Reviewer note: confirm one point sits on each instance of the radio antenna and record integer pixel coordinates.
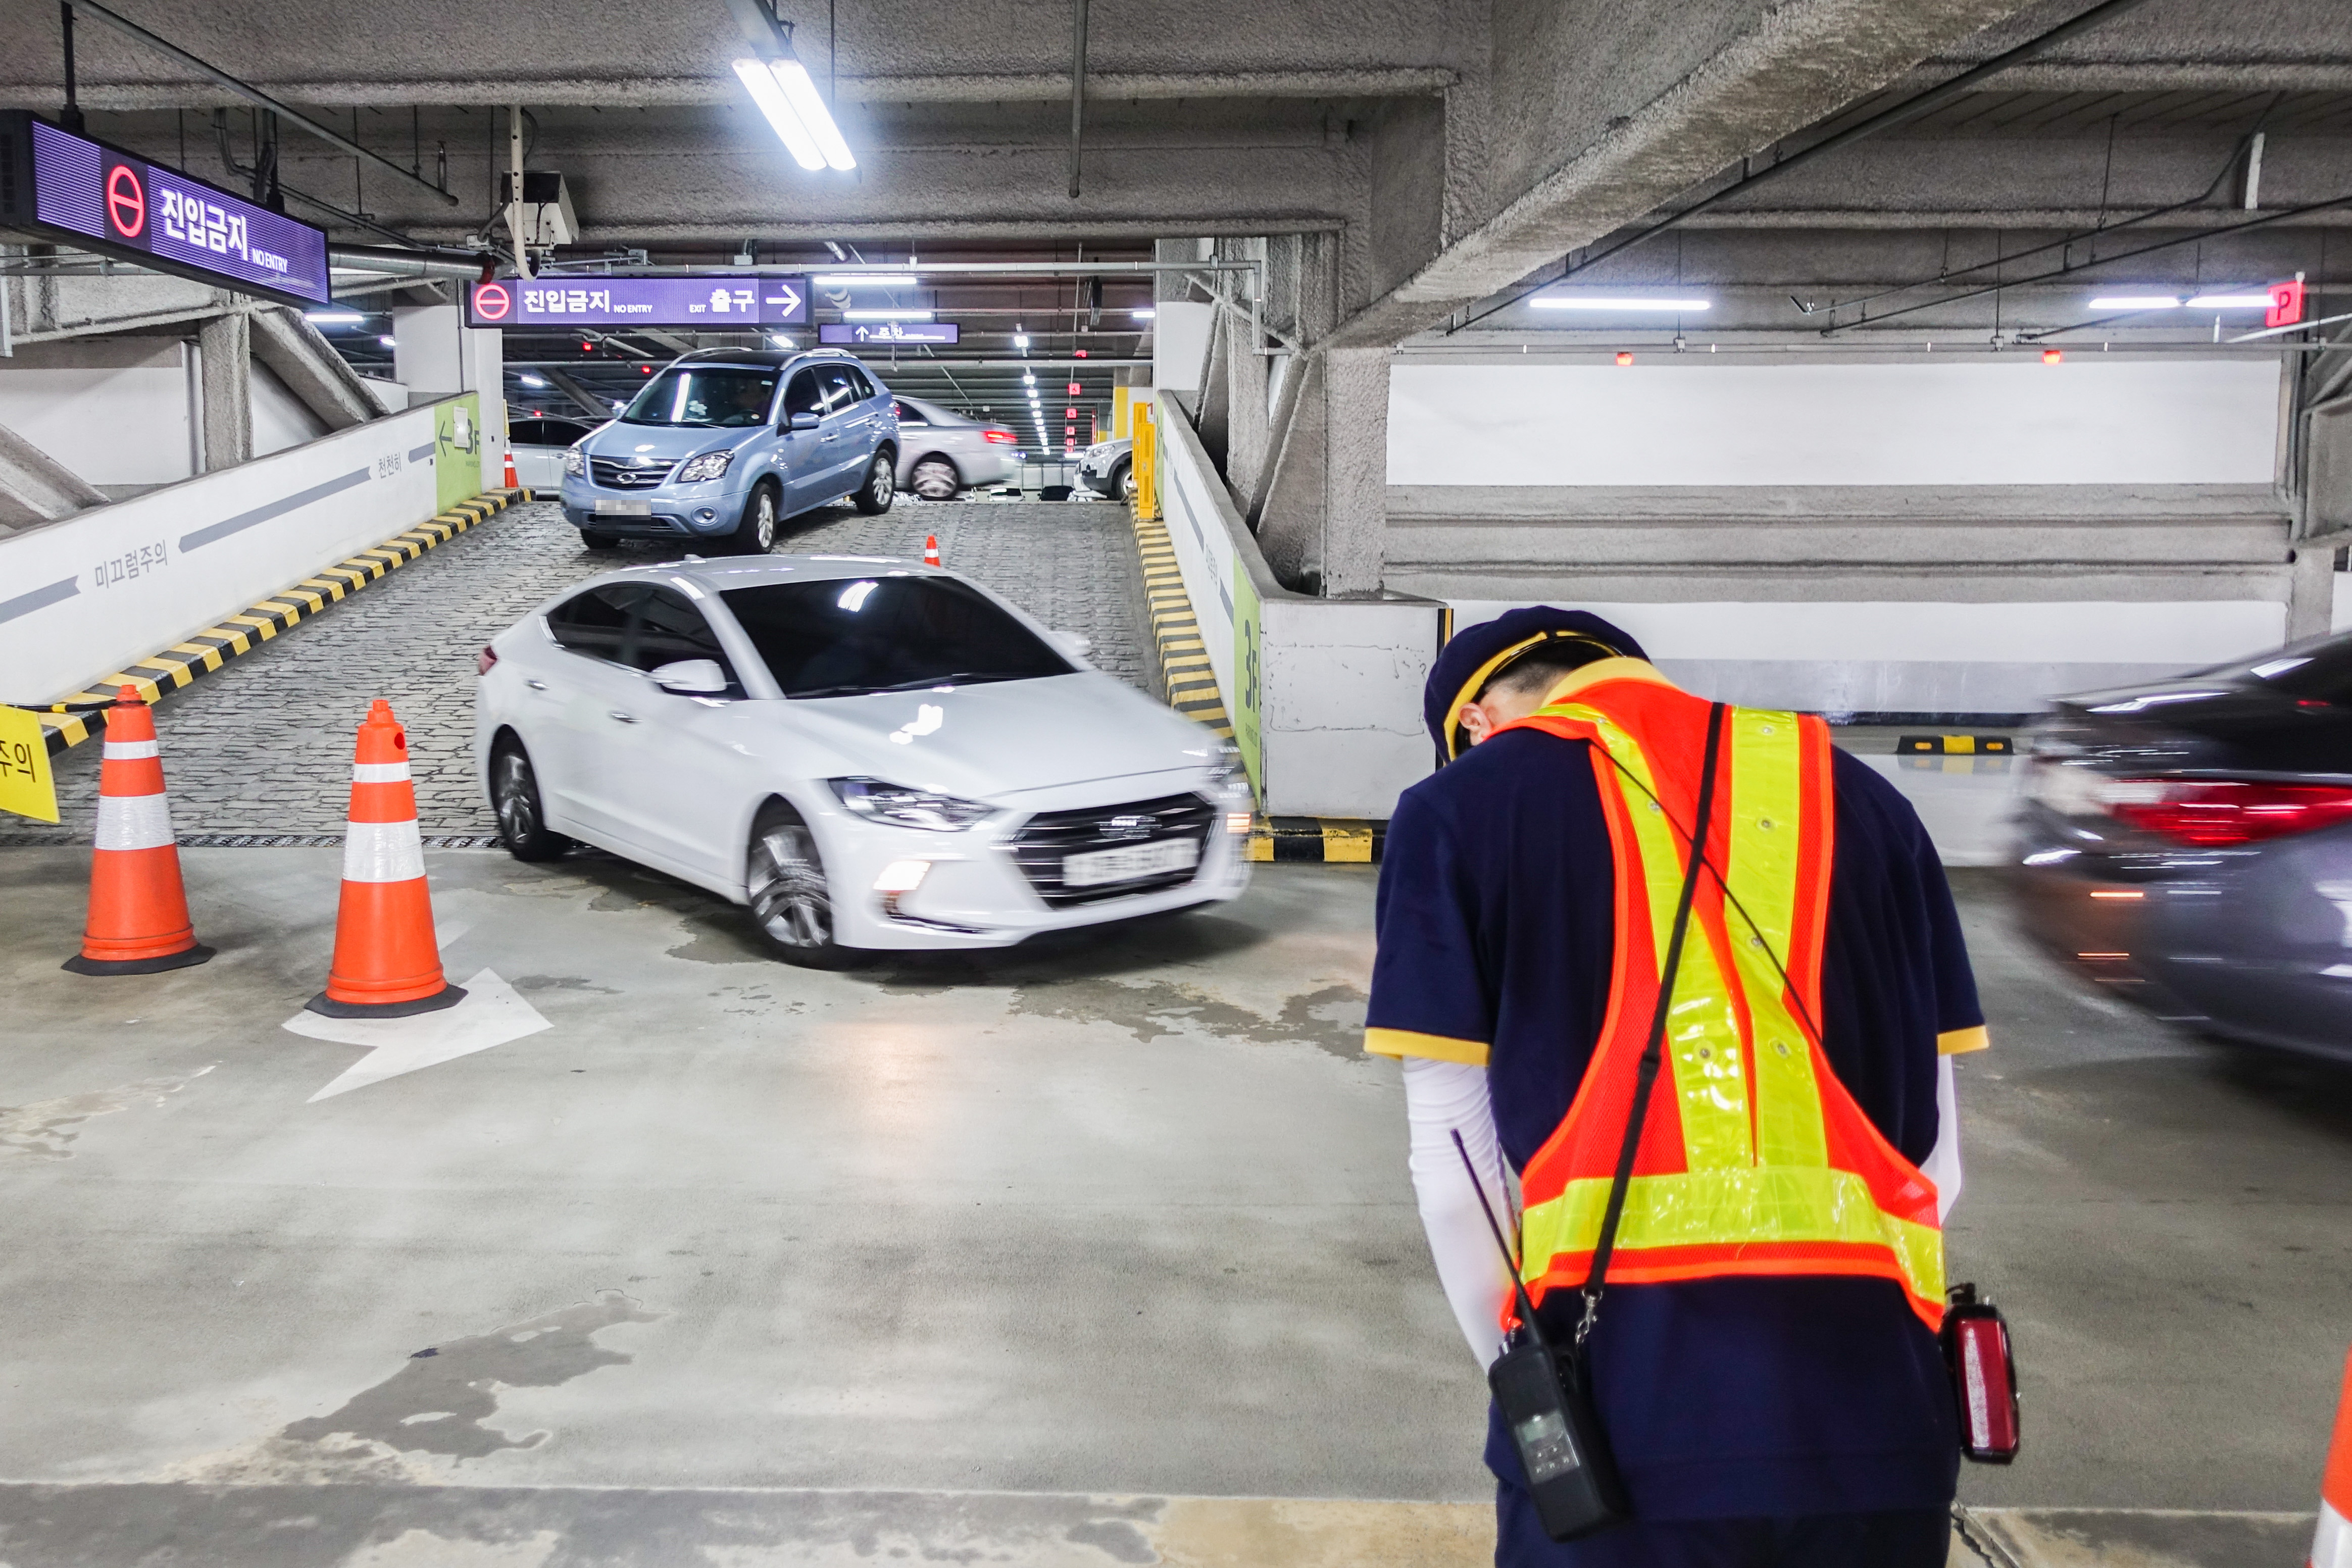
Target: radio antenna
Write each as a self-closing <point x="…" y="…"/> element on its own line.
<point x="1526" y="1307"/>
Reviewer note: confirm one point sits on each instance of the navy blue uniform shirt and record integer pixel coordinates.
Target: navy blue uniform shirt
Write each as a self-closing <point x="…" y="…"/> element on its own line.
<point x="1730" y="1397"/>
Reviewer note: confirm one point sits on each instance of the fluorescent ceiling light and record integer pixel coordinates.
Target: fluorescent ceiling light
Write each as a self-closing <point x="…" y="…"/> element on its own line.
<point x="1611" y="302"/>
<point x="801" y="92"/>
<point x="1019" y="339"/>
<point x="1143" y="315"/>
<point x="2229" y="302"/>
<point x="865" y="279"/>
<point x="779" y="341"/>
<point x="352" y="318"/>
<point x="532" y="380"/>
<point x="760" y="82"/>
<point x="389" y="342"/>
<point x="886" y="314"/>
<point x="2139" y="302"/>
<point x="1029" y="378"/>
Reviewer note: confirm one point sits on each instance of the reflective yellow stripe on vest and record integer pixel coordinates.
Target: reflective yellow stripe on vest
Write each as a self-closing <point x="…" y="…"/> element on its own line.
<point x="1756" y="1176"/>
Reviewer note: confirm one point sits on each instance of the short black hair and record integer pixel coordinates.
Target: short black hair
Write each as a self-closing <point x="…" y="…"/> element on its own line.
<point x="1542" y="666"/>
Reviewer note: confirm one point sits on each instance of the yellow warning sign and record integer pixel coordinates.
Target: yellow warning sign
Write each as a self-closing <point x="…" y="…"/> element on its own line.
<point x="28" y="786"/>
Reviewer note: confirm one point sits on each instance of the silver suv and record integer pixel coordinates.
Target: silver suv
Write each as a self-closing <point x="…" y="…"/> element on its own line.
<point x="725" y="443"/>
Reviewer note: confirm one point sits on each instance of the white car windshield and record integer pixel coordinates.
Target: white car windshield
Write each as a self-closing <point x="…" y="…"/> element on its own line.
<point x="722" y="395"/>
<point x="851" y="636"/>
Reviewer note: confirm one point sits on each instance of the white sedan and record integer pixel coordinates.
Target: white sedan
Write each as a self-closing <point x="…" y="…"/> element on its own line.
<point x="870" y="754"/>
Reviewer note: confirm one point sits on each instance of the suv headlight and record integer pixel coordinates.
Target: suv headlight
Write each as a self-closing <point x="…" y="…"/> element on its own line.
<point x="709" y="466"/>
<point x="574" y="460"/>
<point x="901" y="807"/>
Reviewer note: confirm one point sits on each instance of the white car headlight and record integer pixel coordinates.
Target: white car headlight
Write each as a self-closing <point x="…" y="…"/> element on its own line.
<point x="901" y="807"/>
<point x="709" y="466"/>
<point x="574" y="460"/>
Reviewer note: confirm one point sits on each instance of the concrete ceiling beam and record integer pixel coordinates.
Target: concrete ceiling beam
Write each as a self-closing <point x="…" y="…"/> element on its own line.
<point x="636" y="91"/>
<point x="1792" y="66"/>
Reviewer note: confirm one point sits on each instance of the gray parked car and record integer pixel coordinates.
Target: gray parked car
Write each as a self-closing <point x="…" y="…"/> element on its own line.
<point x="725" y="443"/>
<point x="943" y="454"/>
<point x="1107" y="468"/>
<point x="2188" y="843"/>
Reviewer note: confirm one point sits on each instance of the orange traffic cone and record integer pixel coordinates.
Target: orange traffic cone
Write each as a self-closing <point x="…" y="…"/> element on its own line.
<point x="138" y="921"/>
<point x="511" y="482"/>
<point x="931" y="549"/>
<point x="386" y="962"/>
<point x="2331" y="1545"/>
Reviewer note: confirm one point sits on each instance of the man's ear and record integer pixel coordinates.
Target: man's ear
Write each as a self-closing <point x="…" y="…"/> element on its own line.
<point x="1477" y="721"/>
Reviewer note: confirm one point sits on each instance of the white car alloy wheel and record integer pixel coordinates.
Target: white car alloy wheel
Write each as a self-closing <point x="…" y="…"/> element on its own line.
<point x="756" y="534"/>
<point x="934" y="479"/>
<point x="791" y="901"/>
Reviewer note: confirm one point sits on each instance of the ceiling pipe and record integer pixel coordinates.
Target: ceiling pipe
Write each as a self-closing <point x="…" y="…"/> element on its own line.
<point x="250" y="94"/>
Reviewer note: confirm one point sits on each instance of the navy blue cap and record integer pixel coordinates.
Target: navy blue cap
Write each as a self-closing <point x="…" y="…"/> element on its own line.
<point x="1480" y="653"/>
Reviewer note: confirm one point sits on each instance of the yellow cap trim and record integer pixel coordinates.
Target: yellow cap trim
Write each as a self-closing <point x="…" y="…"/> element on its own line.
<point x="1957" y="1041"/>
<point x="1486" y="672"/>
<point x="1435" y="1047"/>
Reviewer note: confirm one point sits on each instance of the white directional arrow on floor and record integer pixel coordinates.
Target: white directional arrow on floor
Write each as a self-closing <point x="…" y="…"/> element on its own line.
<point x="491" y="1014"/>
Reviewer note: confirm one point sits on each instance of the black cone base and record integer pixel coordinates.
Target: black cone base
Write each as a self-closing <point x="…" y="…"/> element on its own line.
<point x="447" y="997"/>
<point x="184" y="959"/>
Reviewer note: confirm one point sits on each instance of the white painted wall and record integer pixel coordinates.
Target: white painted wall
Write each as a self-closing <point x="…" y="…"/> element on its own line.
<point x="122" y="423"/>
<point x="82" y="598"/>
<point x="1840" y="657"/>
<point x="2091" y="419"/>
<point x="280" y="419"/>
<point x="1179" y="343"/>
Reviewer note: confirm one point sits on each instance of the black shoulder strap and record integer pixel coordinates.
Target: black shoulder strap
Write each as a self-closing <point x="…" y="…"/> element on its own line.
<point x="1654" y="1053"/>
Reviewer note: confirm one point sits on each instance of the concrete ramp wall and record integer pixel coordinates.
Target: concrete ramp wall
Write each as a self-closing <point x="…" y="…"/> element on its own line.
<point x="1324" y="694"/>
<point x="101" y="590"/>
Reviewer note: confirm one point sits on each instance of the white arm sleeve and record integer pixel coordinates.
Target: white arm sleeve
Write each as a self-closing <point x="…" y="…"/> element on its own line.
<point x="1943" y="1166"/>
<point x="1442" y="1098"/>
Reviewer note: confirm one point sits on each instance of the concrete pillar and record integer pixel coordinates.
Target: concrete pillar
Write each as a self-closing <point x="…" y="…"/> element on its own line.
<point x="1247" y="434"/>
<point x="225" y="346"/>
<point x="2311" y="594"/>
<point x="1325" y="521"/>
<point x="1356" y="437"/>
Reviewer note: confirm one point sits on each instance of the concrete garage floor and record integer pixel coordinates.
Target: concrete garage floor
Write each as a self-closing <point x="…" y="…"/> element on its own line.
<point x="1061" y="1256"/>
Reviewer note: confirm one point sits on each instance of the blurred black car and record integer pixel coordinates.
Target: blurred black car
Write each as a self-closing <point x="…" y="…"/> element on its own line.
<point x="2188" y="843"/>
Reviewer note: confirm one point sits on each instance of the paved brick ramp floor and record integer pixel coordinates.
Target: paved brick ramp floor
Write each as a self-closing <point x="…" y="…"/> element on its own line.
<point x="263" y="746"/>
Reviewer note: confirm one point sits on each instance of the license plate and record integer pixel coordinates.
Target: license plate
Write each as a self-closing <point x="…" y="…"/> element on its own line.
<point x="1129" y="862"/>
<point x="607" y="507"/>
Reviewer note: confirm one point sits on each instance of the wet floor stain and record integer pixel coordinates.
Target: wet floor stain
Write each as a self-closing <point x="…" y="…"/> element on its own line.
<point x="44" y="1128"/>
<point x="563" y="983"/>
<point x="442" y="1399"/>
<point x="1332" y="1020"/>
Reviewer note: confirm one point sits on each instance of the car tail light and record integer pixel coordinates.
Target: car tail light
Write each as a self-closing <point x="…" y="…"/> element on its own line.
<point x="484" y="660"/>
<point x="2217" y="813"/>
<point x="995" y="437"/>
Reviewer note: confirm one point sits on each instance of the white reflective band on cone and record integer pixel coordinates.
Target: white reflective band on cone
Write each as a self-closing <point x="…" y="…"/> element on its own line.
<point x="130" y="750"/>
<point x="134" y="821"/>
<point x="2331" y="1547"/>
<point x="382" y="851"/>
<point x="378" y="772"/>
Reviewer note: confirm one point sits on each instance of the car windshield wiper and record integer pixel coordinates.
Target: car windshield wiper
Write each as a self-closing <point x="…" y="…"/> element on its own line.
<point x="958" y="678"/>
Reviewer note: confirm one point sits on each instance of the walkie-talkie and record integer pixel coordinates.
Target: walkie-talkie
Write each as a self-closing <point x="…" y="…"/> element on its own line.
<point x="1549" y="1413"/>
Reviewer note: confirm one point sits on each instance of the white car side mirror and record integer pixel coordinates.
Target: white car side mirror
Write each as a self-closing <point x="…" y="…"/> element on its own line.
<point x="1074" y="643"/>
<point x="692" y="677"/>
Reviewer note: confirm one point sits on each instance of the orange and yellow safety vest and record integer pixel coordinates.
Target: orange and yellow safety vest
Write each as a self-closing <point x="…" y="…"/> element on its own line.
<point x="1753" y="1159"/>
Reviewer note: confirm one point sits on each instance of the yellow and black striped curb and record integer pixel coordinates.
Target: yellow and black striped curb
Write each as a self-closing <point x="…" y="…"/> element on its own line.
<point x="1332" y="840"/>
<point x="1955" y="746"/>
<point x="1192" y="683"/>
<point x="205" y="652"/>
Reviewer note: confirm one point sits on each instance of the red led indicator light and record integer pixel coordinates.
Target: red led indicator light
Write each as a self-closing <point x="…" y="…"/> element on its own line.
<point x="2052" y="356"/>
<point x="1624" y="358"/>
